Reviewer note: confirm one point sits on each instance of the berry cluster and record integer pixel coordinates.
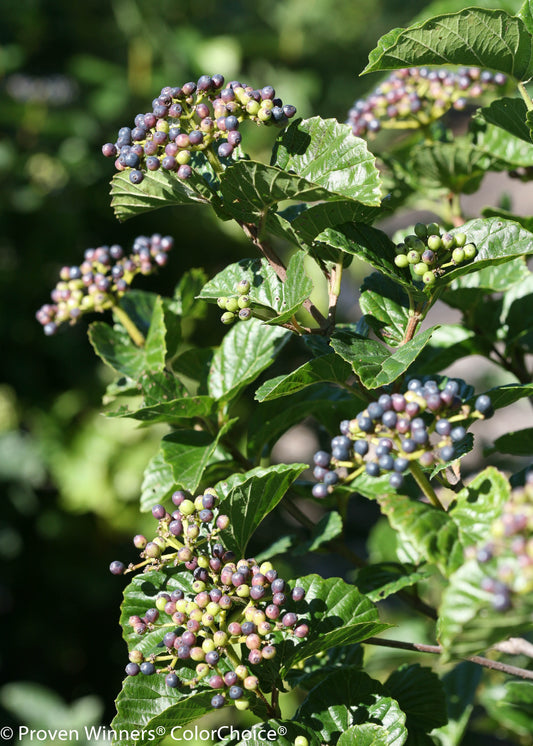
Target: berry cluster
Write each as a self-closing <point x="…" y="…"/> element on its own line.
<point x="232" y="604"/>
<point x="424" y="424"/>
<point x="428" y="253"/>
<point x="414" y="97"/>
<point x="102" y="278"/>
<point x="236" y="307"/>
<point x="511" y="548"/>
<point x="192" y="118"/>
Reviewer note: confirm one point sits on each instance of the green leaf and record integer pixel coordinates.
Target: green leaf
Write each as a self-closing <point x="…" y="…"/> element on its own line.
<point x="327" y="528"/>
<point x="337" y="614"/>
<point x="449" y="344"/>
<point x="503" y="396"/>
<point x="511" y="705"/>
<point x="517" y="311"/>
<point x="420" y="694"/>
<point x="327" y="153"/>
<point x="381" y="580"/>
<point x="517" y="443"/>
<point x="478" y="505"/>
<point x="485" y="38"/>
<point x="247" y="498"/>
<point x="365" y="735"/>
<point x="296" y="288"/>
<point x="189" y="453"/>
<point x="460" y="685"/>
<point x="114" y="347"/>
<point x="157" y="189"/>
<point x="468" y="623"/>
<point x="449" y="166"/>
<point x="490" y="279"/>
<point x="526" y="14"/>
<point x="184" y="301"/>
<point x="176" y="411"/>
<point x="158" y="483"/>
<point x="329" y="368"/>
<point x="345" y="698"/>
<point x="432" y="532"/>
<point x="508" y="114"/>
<point x="372" y="361"/>
<point x="266" y="289"/>
<point x="316" y="218"/>
<point x="246" y="351"/>
<point x="386" y="306"/>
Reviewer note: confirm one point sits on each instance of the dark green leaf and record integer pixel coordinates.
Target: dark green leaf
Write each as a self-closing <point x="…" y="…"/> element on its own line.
<point x="449" y="344"/>
<point x="316" y="218"/>
<point x="511" y="705"/>
<point x="246" y="351"/>
<point x="432" y="532"/>
<point x="184" y="302"/>
<point x="386" y="306"/>
<point x="114" y="347"/>
<point x="327" y="528"/>
<point x="365" y="735"/>
<point x="460" y="685"/>
<point x="247" y="498"/>
<point x="157" y="189"/>
<point x="449" y="166"/>
<point x="420" y="694"/>
<point x="508" y="114"/>
<point x="193" y="367"/>
<point x="337" y="614"/>
<point x="526" y="14"/>
<point x="329" y="368"/>
<point x="189" y="453"/>
<point x="503" y="396"/>
<point x="347" y="697"/>
<point x="266" y="289"/>
<point x="526" y="221"/>
<point x="173" y="412"/>
<point x="372" y="361"/>
<point x="381" y="580"/>
<point x="517" y="311"/>
<point x="327" y="153"/>
<point x="485" y="38"/>
<point x="517" y="443"/>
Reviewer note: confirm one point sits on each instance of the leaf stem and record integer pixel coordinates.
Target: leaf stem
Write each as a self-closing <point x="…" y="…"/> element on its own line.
<point x="136" y="335"/>
<point x="424" y="484"/>
<point x="525" y="95"/>
<point x="437" y="650"/>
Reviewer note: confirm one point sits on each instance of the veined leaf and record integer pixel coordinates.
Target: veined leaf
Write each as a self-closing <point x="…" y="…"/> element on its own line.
<point x="327" y="368"/>
<point x="508" y="114"/>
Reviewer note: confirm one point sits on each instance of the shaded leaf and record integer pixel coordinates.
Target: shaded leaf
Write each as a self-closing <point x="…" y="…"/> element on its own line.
<point x="460" y="685"/>
<point x="327" y="528"/>
<point x="327" y="368"/>
<point x="381" y="580"/>
<point x="420" y="694"/>
<point x="386" y="306"/>
<point x="517" y="443"/>
<point x="508" y="114"/>
<point x="511" y="705"/>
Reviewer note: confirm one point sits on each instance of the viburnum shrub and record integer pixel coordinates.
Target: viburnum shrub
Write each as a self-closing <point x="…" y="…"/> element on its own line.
<point x="212" y="624"/>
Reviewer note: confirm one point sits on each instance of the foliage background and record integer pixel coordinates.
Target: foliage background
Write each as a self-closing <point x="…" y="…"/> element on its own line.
<point x="70" y="75"/>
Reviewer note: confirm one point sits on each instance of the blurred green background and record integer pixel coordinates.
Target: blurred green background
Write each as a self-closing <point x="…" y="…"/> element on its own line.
<point x="70" y="75"/>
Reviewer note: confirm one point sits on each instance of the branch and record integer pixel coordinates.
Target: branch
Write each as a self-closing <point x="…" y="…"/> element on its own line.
<point x="523" y="673"/>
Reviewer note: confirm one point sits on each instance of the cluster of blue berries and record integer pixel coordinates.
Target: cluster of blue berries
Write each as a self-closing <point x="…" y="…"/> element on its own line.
<point x="103" y="277"/>
<point x="508" y="554"/>
<point x="233" y="605"/>
<point x="414" y="97"/>
<point x="424" y="424"/>
<point x="428" y="253"/>
<point x="236" y="308"/>
<point x="189" y="119"/>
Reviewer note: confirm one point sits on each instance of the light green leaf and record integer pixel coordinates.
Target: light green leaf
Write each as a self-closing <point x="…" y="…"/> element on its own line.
<point x="449" y="166"/>
<point x="278" y="732"/>
<point x="330" y="368"/>
<point x="486" y="38"/>
<point x="246" y="351"/>
<point x="511" y="705"/>
<point x="327" y="153"/>
<point x="174" y="411"/>
<point x="372" y="361"/>
<point x="526" y="14"/>
<point x="247" y="498"/>
<point x="158" y="483"/>
<point x="316" y="218"/>
<point x="503" y="396"/>
<point x="478" y="505"/>
<point x="296" y="288"/>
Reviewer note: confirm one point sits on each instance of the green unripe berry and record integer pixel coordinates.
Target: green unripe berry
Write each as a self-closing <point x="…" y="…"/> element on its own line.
<point x="400" y="248"/>
<point x="460" y="239"/>
<point x="241" y="704"/>
<point x="301" y="741"/>
<point x="207" y="619"/>
<point x="420" y="269"/>
<point x="243" y="286"/>
<point x="197" y="654"/>
<point x="220" y="638"/>
<point x="244" y="301"/>
<point x="243" y="591"/>
<point x="434" y="242"/>
<point x="264" y="114"/>
<point x="228" y="317"/>
<point x="161" y="543"/>
<point x="183" y="157"/>
<point x="241" y="671"/>
<point x="245" y="314"/>
<point x="413" y="256"/>
<point x="401" y="261"/>
<point x="448" y="241"/>
<point x="187" y="507"/>
<point x="198" y="504"/>
<point x="152" y="550"/>
<point x="428" y="278"/>
<point x="213" y="608"/>
<point x="265" y="567"/>
<point x="196" y="615"/>
<point x="470" y="251"/>
<point x="433" y="229"/>
<point x="458" y="256"/>
<point x="202" y="669"/>
<point x="421" y="230"/>
<point x="413" y="242"/>
<point x="249" y="613"/>
<point x="208" y="645"/>
<point x="198" y="586"/>
<point x="203" y="561"/>
<point x="251" y="683"/>
<point x="232" y="304"/>
<point x="252" y="107"/>
<point x="182" y="605"/>
<point x="162" y="125"/>
<point x="136" y="656"/>
<point x="160" y="604"/>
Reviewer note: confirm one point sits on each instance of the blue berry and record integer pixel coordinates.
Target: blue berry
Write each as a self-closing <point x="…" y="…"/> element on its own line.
<point x="385" y="401"/>
<point x="132" y="669"/>
<point x="361" y="447"/>
<point x="172" y="680"/>
<point x="147" y="668"/>
<point x="331" y="478"/>
<point x="447" y="453"/>
<point x="408" y="445"/>
<point x="443" y="427"/>
<point x="386" y="463"/>
<point x="136" y="176"/>
<point x="225" y="150"/>
<point x="483" y="404"/>
<point x="396" y="480"/>
<point x="235" y="692"/>
<point x="375" y="411"/>
<point x="372" y="469"/>
<point x="389" y="419"/>
<point x="401" y="464"/>
<point x="321" y="458"/>
<point x="319" y="491"/>
<point x="218" y="701"/>
<point x="116" y="567"/>
<point x="458" y="433"/>
<point x="365" y="423"/>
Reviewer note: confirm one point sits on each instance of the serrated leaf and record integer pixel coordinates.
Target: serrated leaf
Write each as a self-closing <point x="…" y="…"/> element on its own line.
<point x="157" y="189"/>
<point x="526" y="14"/>
<point x="485" y="38"/>
<point x="517" y="443"/>
<point x="157" y="484"/>
<point x="296" y="289"/>
<point x="344" y="699"/>
<point x="508" y="114"/>
<point x="420" y="694"/>
<point x="265" y="286"/>
<point x="316" y="218"/>
<point x="247" y="498"/>
<point x="490" y="279"/>
<point x="327" y="368"/>
<point x="468" y="623"/>
<point x="381" y="580"/>
<point x="189" y="453"/>
<point x="327" y="528"/>
<point x="337" y="614"/>
<point x="174" y="411"/>
<point x="478" y="505"/>
<point x="364" y="735"/>
<point x="327" y="153"/>
<point x="517" y="312"/>
<point x="184" y="301"/>
<point x="374" y="364"/>
<point x="386" y="306"/>
<point x="432" y="532"/>
<point x="246" y="350"/>
<point x="449" y="166"/>
<point x="114" y="347"/>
